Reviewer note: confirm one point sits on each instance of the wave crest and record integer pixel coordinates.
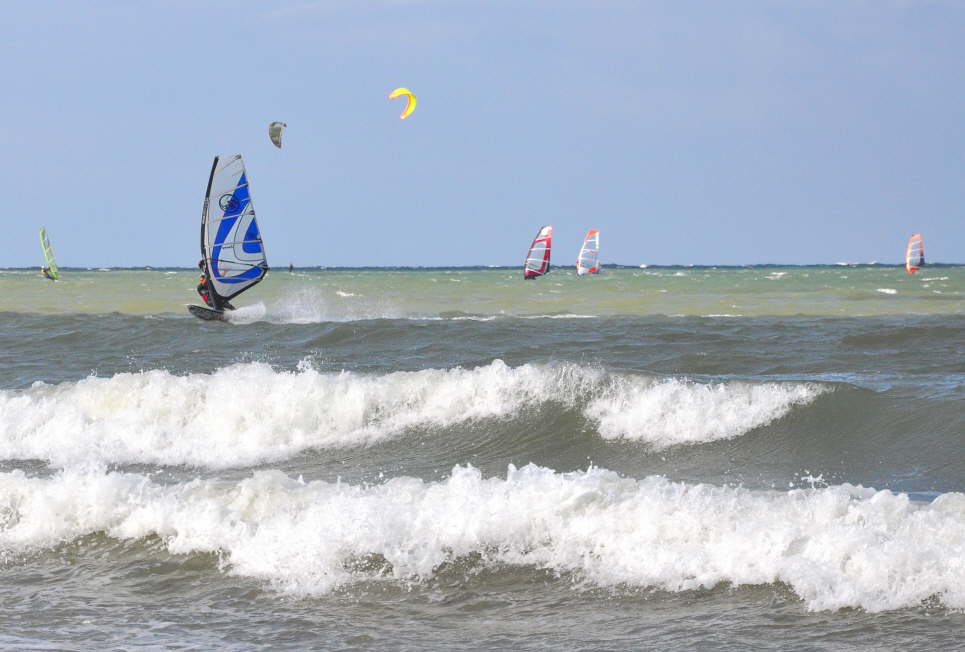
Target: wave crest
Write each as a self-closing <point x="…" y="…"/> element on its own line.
<point x="669" y="412"/>
<point x="249" y="413"/>
<point x="836" y="547"/>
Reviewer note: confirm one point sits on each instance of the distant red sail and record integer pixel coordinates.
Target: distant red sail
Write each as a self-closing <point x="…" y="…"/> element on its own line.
<point x="538" y="258"/>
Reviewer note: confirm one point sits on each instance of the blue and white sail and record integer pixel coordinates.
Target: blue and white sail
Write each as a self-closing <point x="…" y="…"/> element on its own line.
<point x="234" y="255"/>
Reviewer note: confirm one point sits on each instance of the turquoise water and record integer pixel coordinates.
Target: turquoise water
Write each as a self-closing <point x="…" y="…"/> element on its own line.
<point x="313" y="295"/>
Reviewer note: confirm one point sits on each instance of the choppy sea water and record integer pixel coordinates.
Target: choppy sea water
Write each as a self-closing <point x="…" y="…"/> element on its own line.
<point x="676" y="458"/>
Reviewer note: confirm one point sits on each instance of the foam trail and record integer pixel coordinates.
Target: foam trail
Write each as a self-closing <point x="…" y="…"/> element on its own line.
<point x="309" y="305"/>
<point x="836" y="547"/>
<point x="247" y="314"/>
<point x="266" y="415"/>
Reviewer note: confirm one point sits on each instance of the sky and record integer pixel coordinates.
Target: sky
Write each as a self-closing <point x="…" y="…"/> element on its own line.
<point x="738" y="132"/>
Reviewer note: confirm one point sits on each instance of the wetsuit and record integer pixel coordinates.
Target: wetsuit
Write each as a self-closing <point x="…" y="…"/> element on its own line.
<point x="204" y="291"/>
<point x="209" y="297"/>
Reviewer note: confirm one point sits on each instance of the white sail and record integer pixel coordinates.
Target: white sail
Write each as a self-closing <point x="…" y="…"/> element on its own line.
<point x="587" y="261"/>
<point x="914" y="254"/>
<point x="231" y="245"/>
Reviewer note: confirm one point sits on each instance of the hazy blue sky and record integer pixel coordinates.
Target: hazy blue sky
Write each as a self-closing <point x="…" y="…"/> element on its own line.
<point x="713" y="132"/>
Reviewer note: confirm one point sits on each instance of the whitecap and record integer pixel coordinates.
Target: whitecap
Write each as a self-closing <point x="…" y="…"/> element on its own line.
<point x="836" y="547"/>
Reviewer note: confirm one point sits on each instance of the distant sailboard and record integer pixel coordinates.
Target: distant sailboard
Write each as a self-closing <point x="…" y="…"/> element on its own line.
<point x="50" y="268"/>
<point x="538" y="258"/>
<point x="587" y="261"/>
<point x="232" y="254"/>
<point x="914" y="254"/>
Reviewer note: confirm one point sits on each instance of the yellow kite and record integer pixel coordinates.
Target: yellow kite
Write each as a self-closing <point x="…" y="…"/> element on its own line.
<point x="410" y="101"/>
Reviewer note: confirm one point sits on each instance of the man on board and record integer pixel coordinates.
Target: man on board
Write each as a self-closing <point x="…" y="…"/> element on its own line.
<point x="46" y="272"/>
<point x="203" y="286"/>
<point x="204" y="289"/>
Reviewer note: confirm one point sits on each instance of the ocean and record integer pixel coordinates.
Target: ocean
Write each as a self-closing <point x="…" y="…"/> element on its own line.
<point x="673" y="458"/>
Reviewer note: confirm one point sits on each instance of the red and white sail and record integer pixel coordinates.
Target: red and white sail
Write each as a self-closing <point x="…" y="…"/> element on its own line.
<point x="538" y="258"/>
<point x="914" y="254"/>
<point x="587" y="261"/>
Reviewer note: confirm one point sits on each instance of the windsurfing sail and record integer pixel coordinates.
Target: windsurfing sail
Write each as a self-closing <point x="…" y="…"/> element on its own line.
<point x="914" y="254"/>
<point x="51" y="263"/>
<point x="538" y="258"/>
<point x="587" y="261"/>
<point x="231" y="247"/>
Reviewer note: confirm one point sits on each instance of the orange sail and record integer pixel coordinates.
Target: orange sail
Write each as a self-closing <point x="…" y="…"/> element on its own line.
<point x="587" y="261"/>
<point x="914" y="254"/>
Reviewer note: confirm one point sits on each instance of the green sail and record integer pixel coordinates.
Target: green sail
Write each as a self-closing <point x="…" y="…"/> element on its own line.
<point x="48" y="254"/>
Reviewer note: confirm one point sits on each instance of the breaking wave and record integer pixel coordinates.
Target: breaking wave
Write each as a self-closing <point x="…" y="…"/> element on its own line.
<point x="267" y="415"/>
<point x="835" y="547"/>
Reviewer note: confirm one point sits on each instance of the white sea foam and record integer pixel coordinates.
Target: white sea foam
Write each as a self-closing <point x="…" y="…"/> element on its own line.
<point x="247" y="314"/>
<point x="265" y="414"/>
<point x="157" y="417"/>
<point x="887" y="290"/>
<point x="468" y="318"/>
<point x="835" y="547"/>
<point x="671" y="412"/>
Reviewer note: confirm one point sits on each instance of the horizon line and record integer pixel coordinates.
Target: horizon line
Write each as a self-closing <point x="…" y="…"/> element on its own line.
<point x="485" y="267"/>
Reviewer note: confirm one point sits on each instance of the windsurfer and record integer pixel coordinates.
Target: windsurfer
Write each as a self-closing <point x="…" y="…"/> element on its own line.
<point x="204" y="289"/>
<point x="46" y="272"/>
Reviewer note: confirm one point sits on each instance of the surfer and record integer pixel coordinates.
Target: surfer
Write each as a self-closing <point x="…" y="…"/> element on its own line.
<point x="203" y="291"/>
<point x="46" y="272"/>
<point x="204" y="288"/>
<point x="209" y="298"/>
